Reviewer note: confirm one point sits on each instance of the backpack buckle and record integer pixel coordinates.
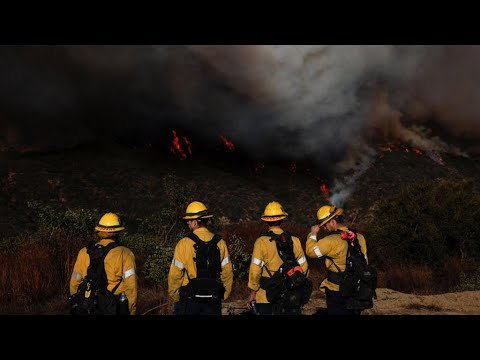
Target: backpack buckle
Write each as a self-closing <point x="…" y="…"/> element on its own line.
<point x="294" y="269"/>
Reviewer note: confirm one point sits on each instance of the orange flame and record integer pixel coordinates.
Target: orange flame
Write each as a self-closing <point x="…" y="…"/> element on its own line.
<point x="188" y="144"/>
<point x="228" y="143"/>
<point x="417" y="151"/>
<point x="176" y="148"/>
<point x="435" y="156"/>
<point x="384" y="149"/>
<point x="387" y="147"/>
<point x="325" y="192"/>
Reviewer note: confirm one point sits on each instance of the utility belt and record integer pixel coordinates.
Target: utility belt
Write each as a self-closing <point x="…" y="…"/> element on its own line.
<point x="203" y="290"/>
<point x="335" y="277"/>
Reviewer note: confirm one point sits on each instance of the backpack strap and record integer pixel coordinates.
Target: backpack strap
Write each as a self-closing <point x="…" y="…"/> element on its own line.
<point x="216" y="239"/>
<point x="194" y="237"/>
<point x="268" y="271"/>
<point x="335" y="277"/>
<point x="276" y="238"/>
<point x="106" y="249"/>
<point x="199" y="242"/>
<point x="116" y="286"/>
<point x="333" y="262"/>
<point x="354" y="245"/>
<point x="289" y="247"/>
<point x="92" y="245"/>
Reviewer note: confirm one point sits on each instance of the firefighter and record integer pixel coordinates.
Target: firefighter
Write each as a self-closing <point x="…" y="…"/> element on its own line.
<point x="266" y="261"/>
<point x="328" y="238"/>
<point x="119" y="262"/>
<point x="200" y="276"/>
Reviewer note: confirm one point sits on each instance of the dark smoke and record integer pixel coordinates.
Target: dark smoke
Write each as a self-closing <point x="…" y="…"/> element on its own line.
<point x="296" y="101"/>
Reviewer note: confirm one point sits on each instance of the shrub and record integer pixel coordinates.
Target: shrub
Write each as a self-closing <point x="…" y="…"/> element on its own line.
<point x="158" y="263"/>
<point x="427" y="223"/>
<point x="468" y="281"/>
<point x="239" y="256"/>
<point x="71" y="220"/>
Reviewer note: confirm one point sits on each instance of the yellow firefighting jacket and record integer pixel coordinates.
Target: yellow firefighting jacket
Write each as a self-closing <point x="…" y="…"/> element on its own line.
<point x="265" y="256"/>
<point x="335" y="247"/>
<point x="119" y="264"/>
<point x="183" y="262"/>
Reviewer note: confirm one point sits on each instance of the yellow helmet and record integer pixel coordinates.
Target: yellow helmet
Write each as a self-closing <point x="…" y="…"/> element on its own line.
<point x="109" y="223"/>
<point x="197" y="210"/>
<point x="327" y="213"/>
<point x="274" y="212"/>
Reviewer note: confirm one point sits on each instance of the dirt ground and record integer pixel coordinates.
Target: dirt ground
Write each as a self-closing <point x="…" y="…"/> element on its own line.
<point x="390" y="302"/>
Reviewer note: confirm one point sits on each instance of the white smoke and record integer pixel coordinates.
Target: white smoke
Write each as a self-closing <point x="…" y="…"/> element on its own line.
<point x="310" y="90"/>
<point x="352" y="167"/>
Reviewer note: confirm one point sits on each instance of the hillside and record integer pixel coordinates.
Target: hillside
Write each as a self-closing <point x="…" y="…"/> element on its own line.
<point x="236" y="187"/>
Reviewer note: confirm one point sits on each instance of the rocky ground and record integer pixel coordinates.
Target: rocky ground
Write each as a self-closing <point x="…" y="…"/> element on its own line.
<point x="390" y="302"/>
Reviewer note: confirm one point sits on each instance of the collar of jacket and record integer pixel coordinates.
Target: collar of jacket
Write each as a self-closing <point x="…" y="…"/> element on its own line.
<point x="202" y="232"/>
<point x="105" y="242"/>
<point x="276" y="229"/>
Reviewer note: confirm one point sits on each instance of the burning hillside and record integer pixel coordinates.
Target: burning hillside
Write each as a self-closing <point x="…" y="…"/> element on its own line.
<point x="234" y="184"/>
<point x="142" y="130"/>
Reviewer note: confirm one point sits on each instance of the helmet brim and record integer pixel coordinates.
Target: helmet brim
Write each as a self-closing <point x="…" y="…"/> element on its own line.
<point x="336" y="213"/>
<point x="273" y="218"/>
<point x="194" y="217"/>
<point x="109" y="229"/>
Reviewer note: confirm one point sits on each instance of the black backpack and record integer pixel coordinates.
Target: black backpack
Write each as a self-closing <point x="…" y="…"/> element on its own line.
<point x="358" y="283"/>
<point x="207" y="287"/>
<point x="289" y="287"/>
<point x="93" y="297"/>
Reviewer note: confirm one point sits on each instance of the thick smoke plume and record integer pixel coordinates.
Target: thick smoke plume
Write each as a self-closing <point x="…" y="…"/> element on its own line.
<point x="329" y="103"/>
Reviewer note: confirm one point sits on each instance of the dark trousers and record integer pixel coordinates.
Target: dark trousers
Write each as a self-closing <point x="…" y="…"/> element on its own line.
<point x="272" y="309"/>
<point x="189" y="307"/>
<point x="336" y="304"/>
<point x="264" y="309"/>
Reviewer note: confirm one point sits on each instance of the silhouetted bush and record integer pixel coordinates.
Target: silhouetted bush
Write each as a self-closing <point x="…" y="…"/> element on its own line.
<point x="427" y="223"/>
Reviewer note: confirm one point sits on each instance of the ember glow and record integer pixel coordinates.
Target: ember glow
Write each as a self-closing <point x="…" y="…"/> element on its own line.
<point x="325" y="192"/>
<point x="435" y="156"/>
<point x="188" y="144"/>
<point x="228" y="143"/>
<point x="417" y="151"/>
<point x="176" y="148"/>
